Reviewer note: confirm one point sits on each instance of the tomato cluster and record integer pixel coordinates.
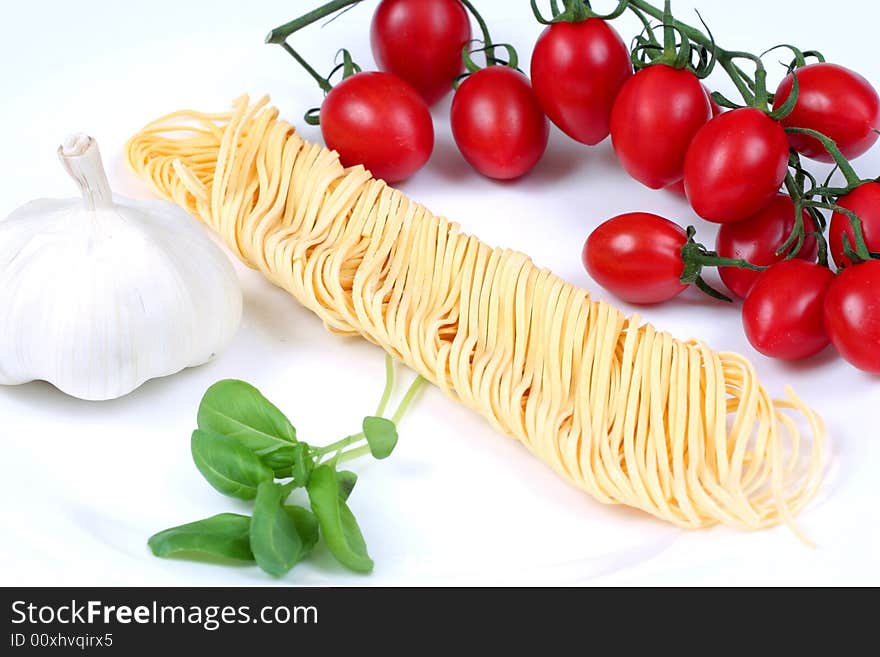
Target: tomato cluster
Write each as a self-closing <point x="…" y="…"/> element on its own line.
<point x="668" y="132"/>
<point x="381" y="119"/>
<point x="731" y="167"/>
<point x="496" y="120"/>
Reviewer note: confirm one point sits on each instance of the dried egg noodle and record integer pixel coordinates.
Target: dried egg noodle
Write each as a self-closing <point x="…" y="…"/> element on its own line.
<point x="627" y="413"/>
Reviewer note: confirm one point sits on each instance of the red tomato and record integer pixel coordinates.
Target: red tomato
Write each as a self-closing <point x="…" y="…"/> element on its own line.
<point x="637" y="257"/>
<point x="783" y="313"/>
<point x="865" y="202"/>
<point x="656" y="115"/>
<point x="678" y="187"/>
<point x="757" y="239"/>
<point x="420" y="41"/>
<point x="835" y="101"/>
<point x="577" y="70"/>
<point x="378" y="120"/>
<point x="852" y="315"/>
<point x="735" y="165"/>
<point x="498" y="124"/>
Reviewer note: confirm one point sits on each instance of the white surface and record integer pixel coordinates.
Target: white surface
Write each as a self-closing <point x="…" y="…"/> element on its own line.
<point x="85" y="484"/>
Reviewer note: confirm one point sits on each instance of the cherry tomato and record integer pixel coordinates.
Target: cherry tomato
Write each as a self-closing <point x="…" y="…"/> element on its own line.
<point x="835" y="101"/>
<point x="420" y="41"/>
<point x="735" y="165"/>
<point x="497" y="123"/>
<point x="783" y="313"/>
<point x="852" y="315"/>
<point x="758" y="238"/>
<point x="577" y="70"/>
<point x="656" y="115"/>
<point x="865" y="202"/>
<point x="378" y="120"/>
<point x="637" y="257"/>
<point x="678" y="187"/>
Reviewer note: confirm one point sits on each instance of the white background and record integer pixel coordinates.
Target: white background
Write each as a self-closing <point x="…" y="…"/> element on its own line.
<point x="83" y="484"/>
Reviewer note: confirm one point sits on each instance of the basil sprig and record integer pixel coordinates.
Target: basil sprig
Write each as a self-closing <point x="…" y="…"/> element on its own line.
<point x="246" y="448"/>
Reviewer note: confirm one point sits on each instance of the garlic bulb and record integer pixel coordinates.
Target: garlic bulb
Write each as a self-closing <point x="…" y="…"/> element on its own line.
<point x="100" y="294"/>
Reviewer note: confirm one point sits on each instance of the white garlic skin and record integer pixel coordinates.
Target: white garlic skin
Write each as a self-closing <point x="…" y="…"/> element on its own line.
<point x="99" y="301"/>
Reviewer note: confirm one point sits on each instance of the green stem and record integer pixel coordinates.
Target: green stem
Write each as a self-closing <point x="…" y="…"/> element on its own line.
<point x="739" y="79"/>
<point x="408" y="399"/>
<point x="389" y="385"/>
<point x="323" y="82"/>
<point x="695" y="257"/>
<point x="861" y="247"/>
<point x="757" y="87"/>
<point x="704" y="287"/>
<point x="668" y="28"/>
<point x="691" y="33"/>
<point x="712" y="260"/>
<point x="484" y="29"/>
<point x="339" y="444"/>
<point x="576" y="10"/>
<point x="795" y="240"/>
<point x="762" y="96"/>
<point x="823" y="251"/>
<point x="852" y="178"/>
<point x="280" y="34"/>
<point x="744" y="76"/>
<point x="352" y="454"/>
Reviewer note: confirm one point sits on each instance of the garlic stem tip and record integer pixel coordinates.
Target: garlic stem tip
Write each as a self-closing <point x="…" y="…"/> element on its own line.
<point x="76" y="144"/>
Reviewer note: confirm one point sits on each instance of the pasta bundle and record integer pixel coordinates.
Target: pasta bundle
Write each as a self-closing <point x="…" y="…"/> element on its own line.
<point x="619" y="409"/>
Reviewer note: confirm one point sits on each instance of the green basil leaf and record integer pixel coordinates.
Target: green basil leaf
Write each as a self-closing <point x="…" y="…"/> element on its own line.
<point x="237" y="410"/>
<point x="338" y="525"/>
<point x="275" y="539"/>
<point x="381" y="436"/>
<point x="224" y="536"/>
<point x="306" y="524"/>
<point x="303" y="464"/>
<point x="347" y="479"/>
<point x="228" y="466"/>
